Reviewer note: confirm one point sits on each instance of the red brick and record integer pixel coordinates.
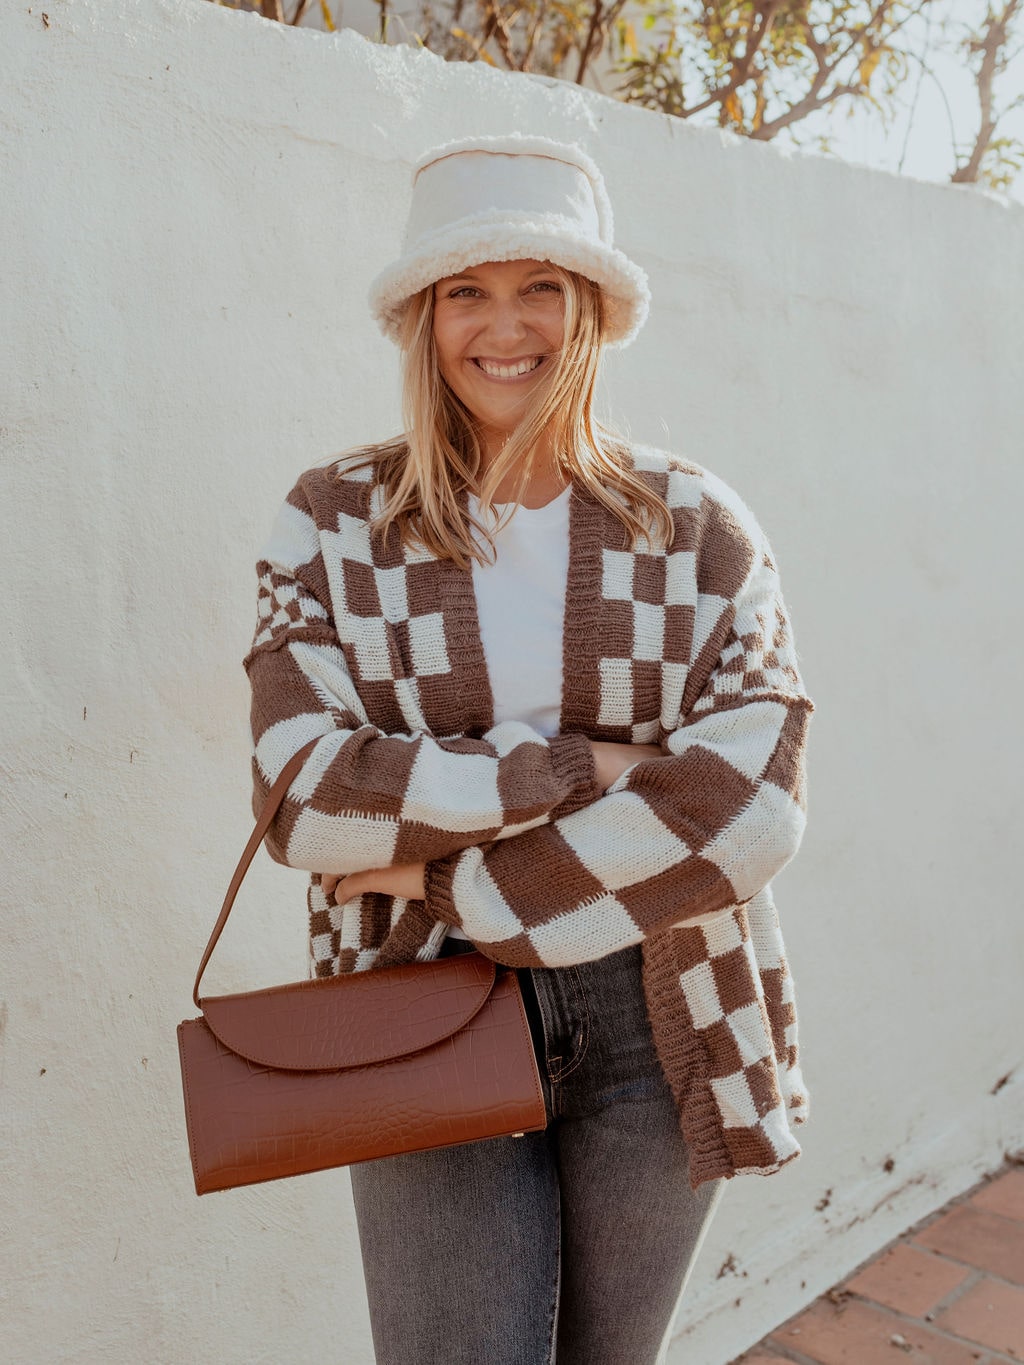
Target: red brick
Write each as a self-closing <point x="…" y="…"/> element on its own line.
<point x="861" y="1334"/>
<point x="991" y="1313"/>
<point x="908" y="1280"/>
<point x="1004" y="1195"/>
<point x="979" y="1238"/>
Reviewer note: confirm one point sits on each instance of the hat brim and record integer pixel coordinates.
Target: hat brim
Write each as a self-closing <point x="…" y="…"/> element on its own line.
<point x="481" y="238"/>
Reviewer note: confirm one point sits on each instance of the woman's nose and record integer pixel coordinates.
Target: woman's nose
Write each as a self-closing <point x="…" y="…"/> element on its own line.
<point x="507" y="319"/>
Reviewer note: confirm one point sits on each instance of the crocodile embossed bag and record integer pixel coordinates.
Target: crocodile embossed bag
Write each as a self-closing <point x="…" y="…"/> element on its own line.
<point x="332" y="1071"/>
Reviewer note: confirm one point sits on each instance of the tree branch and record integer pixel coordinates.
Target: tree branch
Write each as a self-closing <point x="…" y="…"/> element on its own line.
<point x="808" y="105"/>
<point x="532" y="37"/>
<point x="499" y="30"/>
<point x="592" y="30"/>
<point x="740" y="69"/>
<point x="990" y="47"/>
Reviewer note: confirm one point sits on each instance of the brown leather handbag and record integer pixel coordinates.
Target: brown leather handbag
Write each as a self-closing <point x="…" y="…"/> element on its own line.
<point x="332" y="1071"/>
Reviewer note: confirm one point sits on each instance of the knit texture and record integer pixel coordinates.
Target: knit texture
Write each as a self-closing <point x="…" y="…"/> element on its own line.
<point x="376" y="649"/>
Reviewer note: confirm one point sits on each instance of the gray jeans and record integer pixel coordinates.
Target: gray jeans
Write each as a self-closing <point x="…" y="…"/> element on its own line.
<point x="569" y="1246"/>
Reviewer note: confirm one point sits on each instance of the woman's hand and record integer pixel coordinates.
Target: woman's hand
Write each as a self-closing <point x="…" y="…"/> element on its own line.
<point x="612" y="760"/>
<point x="406" y="880"/>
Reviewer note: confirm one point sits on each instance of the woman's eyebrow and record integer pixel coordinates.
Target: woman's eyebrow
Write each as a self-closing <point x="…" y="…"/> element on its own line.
<point x="471" y="275"/>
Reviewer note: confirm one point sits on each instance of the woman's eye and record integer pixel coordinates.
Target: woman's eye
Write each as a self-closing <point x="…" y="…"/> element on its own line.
<point x="469" y="291"/>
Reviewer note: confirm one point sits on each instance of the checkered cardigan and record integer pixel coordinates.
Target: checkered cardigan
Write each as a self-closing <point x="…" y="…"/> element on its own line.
<point x="376" y="649"/>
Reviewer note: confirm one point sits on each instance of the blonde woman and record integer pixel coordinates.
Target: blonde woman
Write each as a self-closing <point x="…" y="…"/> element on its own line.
<point x="560" y="722"/>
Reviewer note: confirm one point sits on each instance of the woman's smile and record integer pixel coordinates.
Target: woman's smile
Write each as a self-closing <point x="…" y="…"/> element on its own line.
<point x="508" y="370"/>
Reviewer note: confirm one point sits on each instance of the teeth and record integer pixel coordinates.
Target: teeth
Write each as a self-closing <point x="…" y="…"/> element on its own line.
<point x="509" y="371"/>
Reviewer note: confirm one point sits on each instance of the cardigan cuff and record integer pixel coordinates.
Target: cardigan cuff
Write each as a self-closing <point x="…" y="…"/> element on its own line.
<point x="573" y="761"/>
<point x="405" y="941"/>
<point x="437" y="881"/>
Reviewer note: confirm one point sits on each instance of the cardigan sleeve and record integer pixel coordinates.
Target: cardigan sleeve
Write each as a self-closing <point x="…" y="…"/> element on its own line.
<point x="363" y="798"/>
<point x="675" y="839"/>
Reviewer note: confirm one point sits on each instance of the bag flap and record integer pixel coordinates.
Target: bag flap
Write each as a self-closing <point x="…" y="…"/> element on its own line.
<point x="352" y="1020"/>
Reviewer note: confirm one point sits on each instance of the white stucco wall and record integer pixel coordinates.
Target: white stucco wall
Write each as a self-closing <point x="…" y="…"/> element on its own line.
<point x="194" y="202"/>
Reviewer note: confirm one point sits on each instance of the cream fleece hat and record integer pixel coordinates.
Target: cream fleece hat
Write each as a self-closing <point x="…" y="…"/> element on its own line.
<point x="511" y="198"/>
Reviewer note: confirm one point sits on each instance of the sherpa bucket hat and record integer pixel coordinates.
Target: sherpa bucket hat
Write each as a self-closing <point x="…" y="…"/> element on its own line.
<point x="511" y="198"/>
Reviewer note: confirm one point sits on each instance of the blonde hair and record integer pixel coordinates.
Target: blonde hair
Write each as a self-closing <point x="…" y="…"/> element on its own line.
<point x="423" y="474"/>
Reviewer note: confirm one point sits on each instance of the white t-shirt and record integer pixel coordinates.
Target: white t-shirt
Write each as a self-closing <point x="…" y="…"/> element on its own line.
<point x="520" y="603"/>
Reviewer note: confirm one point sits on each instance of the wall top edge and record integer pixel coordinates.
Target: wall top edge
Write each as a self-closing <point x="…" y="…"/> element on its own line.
<point x="400" y="73"/>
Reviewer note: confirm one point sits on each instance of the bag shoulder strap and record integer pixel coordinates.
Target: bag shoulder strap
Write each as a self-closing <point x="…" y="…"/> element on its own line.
<point x="270" y="808"/>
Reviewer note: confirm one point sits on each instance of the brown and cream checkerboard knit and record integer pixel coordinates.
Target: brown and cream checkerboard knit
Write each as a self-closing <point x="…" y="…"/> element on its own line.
<point x="377" y="649"/>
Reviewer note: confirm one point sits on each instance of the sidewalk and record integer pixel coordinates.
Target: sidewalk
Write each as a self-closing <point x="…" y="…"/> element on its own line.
<point x="948" y="1292"/>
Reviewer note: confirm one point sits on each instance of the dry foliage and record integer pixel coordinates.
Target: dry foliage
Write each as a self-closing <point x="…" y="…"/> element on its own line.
<point x="753" y="66"/>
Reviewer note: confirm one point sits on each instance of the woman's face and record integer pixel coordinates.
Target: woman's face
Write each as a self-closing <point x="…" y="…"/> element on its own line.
<point x="498" y="328"/>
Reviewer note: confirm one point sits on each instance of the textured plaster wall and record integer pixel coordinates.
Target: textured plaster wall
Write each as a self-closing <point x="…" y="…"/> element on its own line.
<point x="194" y="202"/>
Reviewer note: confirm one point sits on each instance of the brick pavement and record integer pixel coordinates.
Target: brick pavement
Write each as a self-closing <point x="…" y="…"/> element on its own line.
<point x="950" y="1291"/>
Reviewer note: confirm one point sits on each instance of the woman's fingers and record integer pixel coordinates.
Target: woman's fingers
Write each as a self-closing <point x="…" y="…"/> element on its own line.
<point x="406" y="880"/>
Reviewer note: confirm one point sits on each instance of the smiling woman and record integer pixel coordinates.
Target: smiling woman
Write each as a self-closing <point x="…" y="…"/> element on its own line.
<point x="516" y="307"/>
<point x="498" y="330"/>
<point x="558" y="720"/>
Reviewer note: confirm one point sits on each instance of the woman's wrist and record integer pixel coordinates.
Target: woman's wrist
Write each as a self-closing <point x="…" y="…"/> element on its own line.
<point x="611" y="760"/>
